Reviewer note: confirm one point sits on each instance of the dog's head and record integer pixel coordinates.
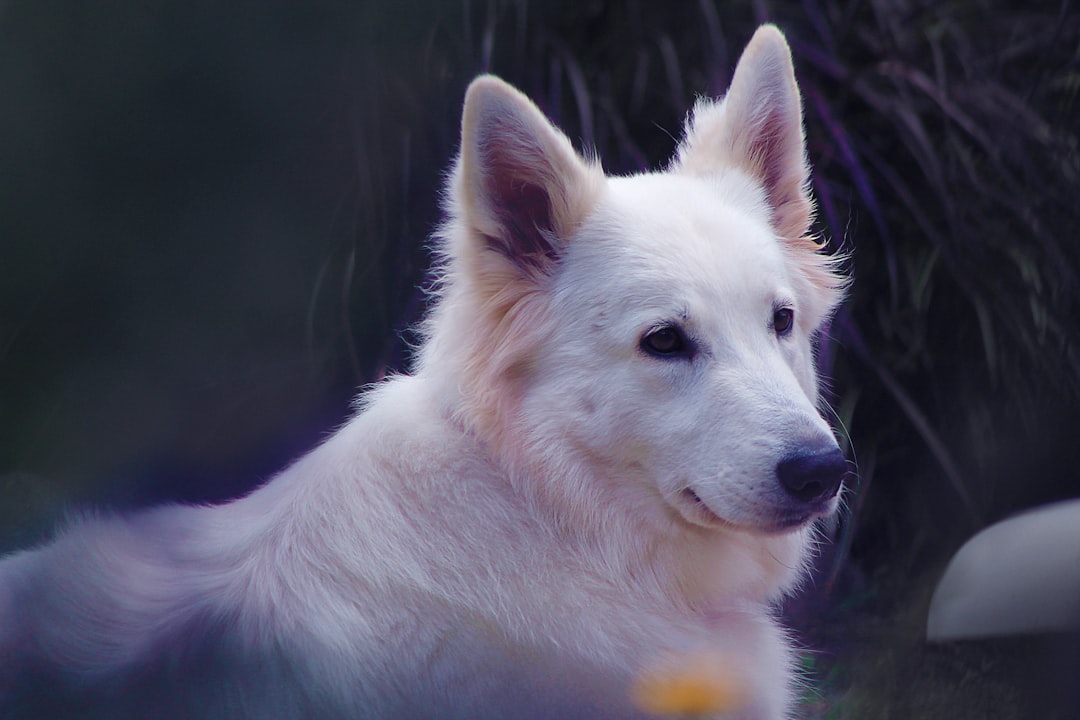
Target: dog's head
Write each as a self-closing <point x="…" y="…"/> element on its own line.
<point x="645" y="339"/>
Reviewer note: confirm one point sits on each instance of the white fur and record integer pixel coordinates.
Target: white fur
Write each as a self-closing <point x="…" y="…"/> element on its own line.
<point x="509" y="531"/>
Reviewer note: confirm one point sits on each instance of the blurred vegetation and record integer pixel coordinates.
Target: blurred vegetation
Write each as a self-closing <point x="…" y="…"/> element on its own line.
<point x="213" y="216"/>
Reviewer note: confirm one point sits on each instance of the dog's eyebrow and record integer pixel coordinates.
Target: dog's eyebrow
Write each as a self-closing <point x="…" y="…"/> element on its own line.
<point x="679" y="313"/>
<point x="680" y="317"/>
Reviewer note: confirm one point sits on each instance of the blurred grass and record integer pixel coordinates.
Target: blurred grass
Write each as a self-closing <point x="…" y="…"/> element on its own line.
<point x="212" y="219"/>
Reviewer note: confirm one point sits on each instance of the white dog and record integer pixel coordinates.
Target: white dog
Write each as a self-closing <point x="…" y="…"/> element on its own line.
<point x="609" y="455"/>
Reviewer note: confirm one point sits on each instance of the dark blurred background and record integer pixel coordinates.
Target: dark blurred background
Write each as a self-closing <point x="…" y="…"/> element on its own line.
<point x="213" y="221"/>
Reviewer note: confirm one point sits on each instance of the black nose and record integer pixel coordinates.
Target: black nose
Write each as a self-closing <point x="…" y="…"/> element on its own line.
<point x="812" y="476"/>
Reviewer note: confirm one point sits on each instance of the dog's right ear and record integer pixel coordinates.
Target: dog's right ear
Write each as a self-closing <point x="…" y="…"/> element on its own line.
<point x="758" y="128"/>
<point x="520" y="185"/>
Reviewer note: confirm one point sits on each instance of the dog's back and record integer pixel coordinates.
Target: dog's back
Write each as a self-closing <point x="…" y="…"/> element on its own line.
<point x="371" y="579"/>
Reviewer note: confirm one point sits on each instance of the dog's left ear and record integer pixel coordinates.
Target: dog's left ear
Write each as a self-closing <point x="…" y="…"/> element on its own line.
<point x="522" y="187"/>
<point x="758" y="128"/>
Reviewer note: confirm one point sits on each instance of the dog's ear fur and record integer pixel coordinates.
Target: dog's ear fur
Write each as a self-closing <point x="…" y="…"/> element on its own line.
<point x="757" y="128"/>
<point x="523" y="188"/>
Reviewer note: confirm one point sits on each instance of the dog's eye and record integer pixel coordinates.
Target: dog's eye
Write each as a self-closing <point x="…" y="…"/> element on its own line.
<point x="666" y="341"/>
<point x="783" y="320"/>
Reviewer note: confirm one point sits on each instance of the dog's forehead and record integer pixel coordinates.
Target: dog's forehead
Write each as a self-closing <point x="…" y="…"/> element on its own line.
<point x="675" y="230"/>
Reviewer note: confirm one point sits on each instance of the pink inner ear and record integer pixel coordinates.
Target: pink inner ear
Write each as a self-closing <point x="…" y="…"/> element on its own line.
<point x="768" y="154"/>
<point x="783" y="174"/>
<point x="523" y="210"/>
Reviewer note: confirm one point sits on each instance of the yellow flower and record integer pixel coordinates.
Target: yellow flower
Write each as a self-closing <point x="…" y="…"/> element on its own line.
<point x="689" y="686"/>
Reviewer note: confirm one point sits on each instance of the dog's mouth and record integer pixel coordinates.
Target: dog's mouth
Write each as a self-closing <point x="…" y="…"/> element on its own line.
<point x="697" y="512"/>
<point x="694" y="509"/>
